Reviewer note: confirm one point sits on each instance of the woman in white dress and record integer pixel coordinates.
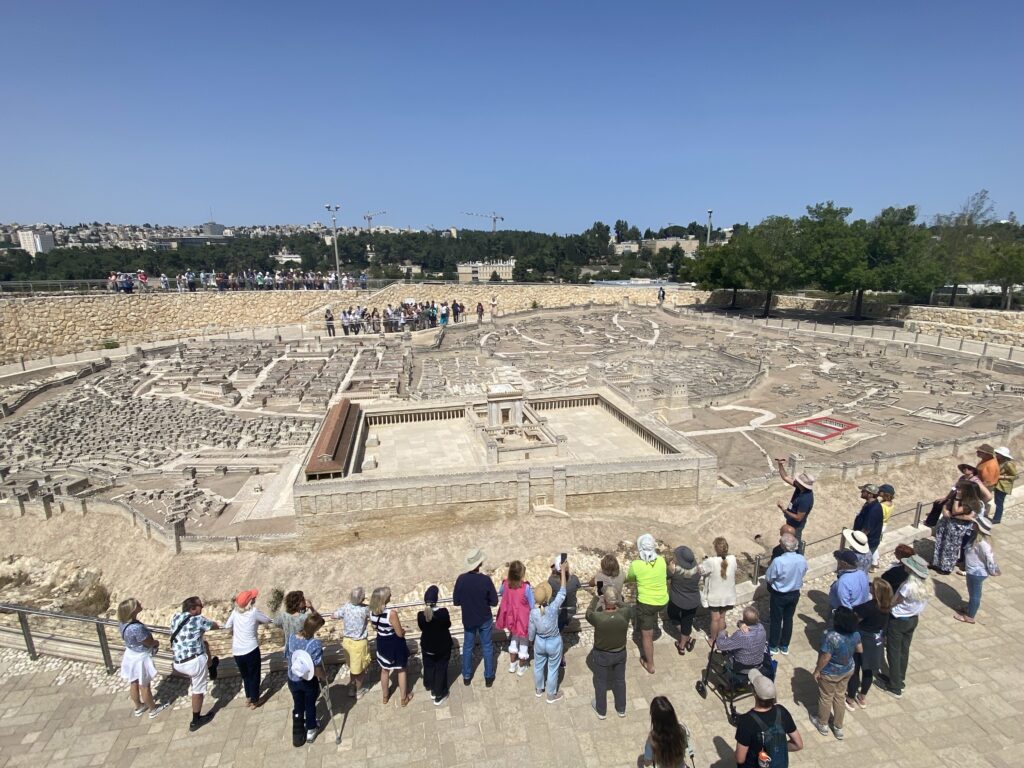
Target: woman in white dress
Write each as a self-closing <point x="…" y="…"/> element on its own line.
<point x="137" y="665"/>
<point x="718" y="594"/>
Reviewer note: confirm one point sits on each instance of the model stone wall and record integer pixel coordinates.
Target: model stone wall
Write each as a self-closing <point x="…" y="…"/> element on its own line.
<point x="40" y="326"/>
<point x="994" y="326"/>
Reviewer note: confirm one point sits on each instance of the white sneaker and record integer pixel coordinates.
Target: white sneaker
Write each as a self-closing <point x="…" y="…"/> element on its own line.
<point x="310" y="736"/>
<point x="521" y="670"/>
<point x="512" y="667"/>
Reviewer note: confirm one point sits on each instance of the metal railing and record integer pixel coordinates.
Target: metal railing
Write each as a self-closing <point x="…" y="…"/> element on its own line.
<point x="153" y="287"/>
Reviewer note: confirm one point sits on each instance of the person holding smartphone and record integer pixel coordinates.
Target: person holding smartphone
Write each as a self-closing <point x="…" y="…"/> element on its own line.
<point x="610" y="619"/>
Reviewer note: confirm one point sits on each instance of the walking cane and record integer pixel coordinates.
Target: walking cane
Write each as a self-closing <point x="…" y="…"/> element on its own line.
<point x="325" y="694"/>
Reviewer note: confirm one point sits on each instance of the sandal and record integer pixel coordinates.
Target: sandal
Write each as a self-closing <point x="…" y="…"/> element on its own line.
<point x="386" y="699"/>
<point x="691" y="644"/>
<point x="680" y="650"/>
<point x="964" y="619"/>
<point x="407" y="699"/>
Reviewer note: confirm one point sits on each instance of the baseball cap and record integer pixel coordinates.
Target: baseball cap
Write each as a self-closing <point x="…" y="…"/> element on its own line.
<point x="764" y="686"/>
<point x="870" y="488"/>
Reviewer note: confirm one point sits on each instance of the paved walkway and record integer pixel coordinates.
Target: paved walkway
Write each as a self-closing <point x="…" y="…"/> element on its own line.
<point x="962" y="707"/>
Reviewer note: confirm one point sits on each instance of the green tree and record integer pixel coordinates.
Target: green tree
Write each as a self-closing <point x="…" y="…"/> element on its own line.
<point x="621" y="230"/>
<point x="1004" y="266"/>
<point x="772" y="254"/>
<point x="958" y="246"/>
<point x="495" y="277"/>
<point x="722" y="266"/>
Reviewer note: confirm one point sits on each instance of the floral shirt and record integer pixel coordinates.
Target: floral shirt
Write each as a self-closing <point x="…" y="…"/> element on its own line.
<point x="188" y="643"/>
<point x="355" y="618"/>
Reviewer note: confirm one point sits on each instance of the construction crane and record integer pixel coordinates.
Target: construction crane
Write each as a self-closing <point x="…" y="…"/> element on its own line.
<point x="369" y="219"/>
<point x="495" y="218"/>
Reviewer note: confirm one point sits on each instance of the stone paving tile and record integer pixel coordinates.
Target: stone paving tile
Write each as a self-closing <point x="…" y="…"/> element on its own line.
<point x="962" y="706"/>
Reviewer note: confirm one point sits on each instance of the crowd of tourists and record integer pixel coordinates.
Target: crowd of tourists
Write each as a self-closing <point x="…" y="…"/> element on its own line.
<point x="243" y="280"/>
<point x="873" y="612"/>
<point x="409" y="315"/>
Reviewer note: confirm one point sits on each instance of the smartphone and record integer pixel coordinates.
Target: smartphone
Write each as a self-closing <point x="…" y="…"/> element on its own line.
<point x="565" y="559"/>
<point x="600" y="587"/>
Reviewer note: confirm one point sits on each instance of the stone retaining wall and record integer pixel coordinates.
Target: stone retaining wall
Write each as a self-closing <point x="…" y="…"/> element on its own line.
<point x="993" y="326"/>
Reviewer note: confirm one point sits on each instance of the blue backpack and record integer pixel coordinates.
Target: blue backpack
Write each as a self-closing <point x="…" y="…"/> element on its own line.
<point x="774" y="740"/>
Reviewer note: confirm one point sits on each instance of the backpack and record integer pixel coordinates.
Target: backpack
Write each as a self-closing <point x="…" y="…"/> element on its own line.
<point x="774" y="741"/>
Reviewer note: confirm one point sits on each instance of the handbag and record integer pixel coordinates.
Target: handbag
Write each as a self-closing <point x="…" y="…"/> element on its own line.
<point x="705" y="589"/>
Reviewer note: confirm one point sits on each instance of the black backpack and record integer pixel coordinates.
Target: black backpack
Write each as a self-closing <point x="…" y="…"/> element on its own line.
<point x="774" y="740"/>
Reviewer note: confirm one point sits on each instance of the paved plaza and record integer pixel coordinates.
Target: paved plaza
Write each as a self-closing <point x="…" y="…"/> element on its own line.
<point x="962" y="706"/>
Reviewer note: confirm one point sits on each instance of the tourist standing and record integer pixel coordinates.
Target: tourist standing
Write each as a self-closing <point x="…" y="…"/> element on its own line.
<point x="649" y="572"/>
<point x="833" y="671"/>
<point x="988" y="466"/>
<point x="1004" y="486"/>
<point x="570" y="605"/>
<point x="244" y="623"/>
<point x="296" y="610"/>
<point x="479" y="313"/>
<point x="857" y="542"/>
<point x="767" y="733"/>
<point x="980" y="563"/>
<point x="886" y="494"/>
<point x="329" y="319"/>
<point x="392" y="650"/>
<point x="669" y="742"/>
<point x="801" y="502"/>
<point x="546" y="638"/>
<point x="683" y="595"/>
<point x="718" y="592"/>
<point x="191" y="655"/>
<point x="610" y="619"/>
<point x="897" y="573"/>
<point x="869" y="519"/>
<point x="874" y="618"/>
<point x="355" y="617"/>
<point x="304" y="656"/>
<point x="435" y="645"/>
<point x="516" y="597"/>
<point x="956" y="523"/>
<point x="474" y="592"/>
<point x="610" y="575"/>
<point x="784" y="580"/>
<point x="851" y="587"/>
<point x="137" y="666"/>
<point x="908" y="604"/>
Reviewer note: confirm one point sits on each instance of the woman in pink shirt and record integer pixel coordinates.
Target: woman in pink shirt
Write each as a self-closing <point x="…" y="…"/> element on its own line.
<point x="514" y="616"/>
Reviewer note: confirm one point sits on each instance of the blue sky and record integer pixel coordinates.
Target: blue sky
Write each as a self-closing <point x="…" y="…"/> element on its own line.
<point x="553" y="114"/>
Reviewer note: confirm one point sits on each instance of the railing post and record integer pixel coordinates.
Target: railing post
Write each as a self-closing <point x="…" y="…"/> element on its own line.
<point x="802" y="548"/>
<point x="917" y="514"/>
<point x="101" y="632"/>
<point x="757" y="570"/>
<point x="27" y="634"/>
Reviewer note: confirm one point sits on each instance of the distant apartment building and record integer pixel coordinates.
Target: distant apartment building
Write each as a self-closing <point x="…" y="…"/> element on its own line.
<point x="689" y="245"/>
<point x="213" y="229"/>
<point x="35" y="241"/>
<point x="481" y="271"/>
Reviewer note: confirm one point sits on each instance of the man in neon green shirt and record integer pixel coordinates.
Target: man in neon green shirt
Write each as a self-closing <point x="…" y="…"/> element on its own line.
<point x="650" y="575"/>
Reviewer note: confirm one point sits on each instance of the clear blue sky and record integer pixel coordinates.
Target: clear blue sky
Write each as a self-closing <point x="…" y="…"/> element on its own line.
<point x="554" y="114"/>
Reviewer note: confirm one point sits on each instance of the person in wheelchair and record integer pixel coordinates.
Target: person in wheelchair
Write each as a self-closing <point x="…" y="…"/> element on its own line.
<point x="744" y="649"/>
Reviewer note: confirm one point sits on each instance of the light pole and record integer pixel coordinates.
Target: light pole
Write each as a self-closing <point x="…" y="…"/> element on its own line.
<point x="708" y="243"/>
<point x="333" y="210"/>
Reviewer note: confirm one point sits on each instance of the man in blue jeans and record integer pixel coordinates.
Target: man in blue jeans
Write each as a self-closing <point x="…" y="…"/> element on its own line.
<point x="475" y="594"/>
<point x="784" y="578"/>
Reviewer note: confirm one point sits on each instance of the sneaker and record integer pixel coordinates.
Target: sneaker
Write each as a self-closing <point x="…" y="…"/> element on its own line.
<point x="784" y="650"/>
<point x="521" y="671"/>
<point x="538" y="692"/>
<point x="895" y="694"/>
<point x="467" y="680"/>
<point x="199" y="722"/>
<point x="488" y="681"/>
<point x="837" y="732"/>
<point x="773" y="651"/>
<point x="360" y="692"/>
<point x="620" y="714"/>
<point x="214" y="663"/>
<point x="862" y="701"/>
<point x="593" y="705"/>
<point x="556" y="698"/>
<point x="139" y="711"/>
<point x="158" y="709"/>
<point x="512" y="667"/>
<point x="850" y="705"/>
<point x="819" y="726"/>
<point x="439" y="700"/>
<point x="311" y="736"/>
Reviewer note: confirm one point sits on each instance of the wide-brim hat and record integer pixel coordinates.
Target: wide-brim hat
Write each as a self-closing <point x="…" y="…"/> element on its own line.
<point x="856" y="540"/>
<point x="1004" y="452"/>
<point x="986" y="448"/>
<point x="984" y="525"/>
<point x="301" y="664"/>
<point x="684" y="557"/>
<point x="916" y="565"/>
<point x="807" y="481"/>
<point x="242" y="598"/>
<point x="965" y="467"/>
<point x="474" y="559"/>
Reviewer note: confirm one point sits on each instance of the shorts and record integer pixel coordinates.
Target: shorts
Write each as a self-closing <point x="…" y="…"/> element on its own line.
<point x="647" y="615"/>
<point x="721" y="608"/>
<point x="358" y="653"/>
<point x="683" y="617"/>
<point x="196" y="670"/>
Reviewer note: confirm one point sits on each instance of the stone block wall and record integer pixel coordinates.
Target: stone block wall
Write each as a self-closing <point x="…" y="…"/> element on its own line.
<point x="991" y="325"/>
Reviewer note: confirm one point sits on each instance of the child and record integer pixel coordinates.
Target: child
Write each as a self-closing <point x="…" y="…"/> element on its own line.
<point x="514" y="616"/>
<point x="886" y="493"/>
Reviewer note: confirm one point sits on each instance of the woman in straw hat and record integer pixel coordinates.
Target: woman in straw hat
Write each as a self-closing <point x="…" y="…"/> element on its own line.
<point x="244" y="622"/>
<point x="980" y="562"/>
<point x="956" y="522"/>
<point x="137" y="664"/>
<point x="908" y="604"/>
